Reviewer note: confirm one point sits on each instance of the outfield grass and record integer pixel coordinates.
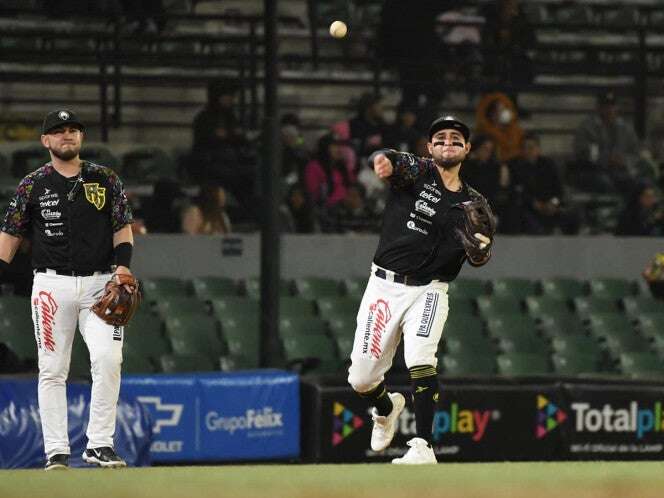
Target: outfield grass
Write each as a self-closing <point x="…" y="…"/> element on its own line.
<point x="501" y="480"/>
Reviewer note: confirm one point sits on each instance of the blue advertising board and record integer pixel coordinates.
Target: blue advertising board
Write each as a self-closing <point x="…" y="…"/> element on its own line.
<point x="249" y="415"/>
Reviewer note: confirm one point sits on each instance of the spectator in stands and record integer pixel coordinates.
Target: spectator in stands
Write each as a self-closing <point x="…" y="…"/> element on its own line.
<point x="352" y="214"/>
<point x="144" y="16"/>
<point x="207" y="215"/>
<point x="162" y="211"/>
<point x="643" y="214"/>
<point x="403" y="134"/>
<point x="295" y="155"/>
<point x="298" y="214"/>
<point x="654" y="276"/>
<point x="507" y="36"/>
<point x="219" y="111"/>
<point x="606" y="150"/>
<point x="536" y="180"/>
<point x="496" y="116"/>
<point x="367" y="128"/>
<point x="328" y="175"/>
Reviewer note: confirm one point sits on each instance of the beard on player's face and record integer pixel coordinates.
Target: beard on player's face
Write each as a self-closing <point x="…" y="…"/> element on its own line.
<point x="66" y="153"/>
<point x="446" y="160"/>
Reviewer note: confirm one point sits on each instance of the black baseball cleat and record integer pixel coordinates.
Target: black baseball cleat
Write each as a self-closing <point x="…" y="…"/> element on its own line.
<point x="58" y="462"/>
<point x="103" y="457"/>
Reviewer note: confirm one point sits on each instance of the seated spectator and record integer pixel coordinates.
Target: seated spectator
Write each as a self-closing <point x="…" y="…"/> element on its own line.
<point x="352" y="214"/>
<point x="367" y="128"/>
<point x="403" y="134"/>
<point x="298" y="215"/>
<point x="496" y="116"/>
<point x="654" y="276"/>
<point x="162" y="211"/>
<point x="207" y="215"/>
<point x="294" y="155"/>
<point x="328" y="175"/>
<point x="219" y="109"/>
<point x="535" y="177"/>
<point x="606" y="150"/>
<point x="643" y="215"/>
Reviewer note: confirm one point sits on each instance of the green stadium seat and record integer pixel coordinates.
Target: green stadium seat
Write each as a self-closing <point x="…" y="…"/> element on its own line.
<point x="611" y="288"/>
<point x="522" y="364"/>
<point x="135" y="363"/>
<point x="298" y="326"/>
<point x="458" y="345"/>
<point x="636" y="305"/>
<point x="176" y="305"/>
<point x="99" y="154"/>
<point x="28" y="159"/>
<point x="144" y="336"/>
<point x="576" y="344"/>
<point x="461" y="306"/>
<point x="603" y="324"/>
<point x="625" y="343"/>
<point x="511" y="325"/>
<point x="642" y="365"/>
<point x="312" y="353"/>
<point x="233" y="362"/>
<point x="344" y="346"/>
<point x="194" y="334"/>
<point x="545" y="305"/>
<point x="175" y="363"/>
<point x="252" y="288"/>
<point x="15" y="306"/>
<point x="343" y="326"/>
<point x="468" y="365"/>
<point x="316" y="287"/>
<point x="463" y="326"/>
<point x="79" y="366"/>
<point x="17" y="333"/>
<point x="554" y="325"/>
<point x="329" y="307"/>
<point x="290" y="306"/>
<point x="651" y="324"/>
<point x="147" y="164"/>
<point x="513" y="287"/>
<point x="572" y="363"/>
<point x="354" y="287"/>
<point x="490" y="305"/>
<point x="158" y="288"/>
<point x="235" y="307"/>
<point x="467" y="288"/>
<point x="591" y="304"/>
<point x="562" y="288"/>
<point x="211" y="288"/>
<point x="528" y="343"/>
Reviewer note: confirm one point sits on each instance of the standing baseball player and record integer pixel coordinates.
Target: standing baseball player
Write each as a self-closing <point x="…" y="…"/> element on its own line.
<point x="78" y="218"/>
<point x="433" y="222"/>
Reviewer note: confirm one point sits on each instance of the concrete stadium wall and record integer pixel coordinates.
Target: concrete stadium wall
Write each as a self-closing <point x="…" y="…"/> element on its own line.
<point x="342" y="256"/>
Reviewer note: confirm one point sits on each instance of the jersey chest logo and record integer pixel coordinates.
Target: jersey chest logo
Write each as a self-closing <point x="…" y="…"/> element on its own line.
<point x="95" y="194"/>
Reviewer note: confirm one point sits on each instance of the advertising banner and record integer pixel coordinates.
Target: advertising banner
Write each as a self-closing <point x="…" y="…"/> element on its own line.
<point x="221" y="416"/>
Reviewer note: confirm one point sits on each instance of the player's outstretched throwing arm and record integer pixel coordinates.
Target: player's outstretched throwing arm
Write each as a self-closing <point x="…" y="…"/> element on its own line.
<point x="400" y="168"/>
<point x="478" y="229"/>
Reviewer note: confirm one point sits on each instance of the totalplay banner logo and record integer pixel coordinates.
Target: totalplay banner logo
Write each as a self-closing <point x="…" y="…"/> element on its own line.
<point x="344" y="423"/>
<point x="635" y="418"/>
<point x="549" y="416"/>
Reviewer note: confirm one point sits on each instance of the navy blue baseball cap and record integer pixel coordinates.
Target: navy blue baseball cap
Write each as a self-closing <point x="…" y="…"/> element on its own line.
<point x="449" y="123"/>
<point x="60" y="117"/>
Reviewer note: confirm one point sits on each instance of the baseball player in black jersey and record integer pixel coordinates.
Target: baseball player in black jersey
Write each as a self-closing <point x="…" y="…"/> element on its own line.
<point x="79" y="220"/>
<point x="419" y="253"/>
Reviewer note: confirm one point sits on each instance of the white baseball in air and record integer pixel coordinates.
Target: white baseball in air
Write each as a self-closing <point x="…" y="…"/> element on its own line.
<point x="338" y="29"/>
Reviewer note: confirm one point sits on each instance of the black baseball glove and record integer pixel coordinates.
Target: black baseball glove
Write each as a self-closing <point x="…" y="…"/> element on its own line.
<point x="477" y="231"/>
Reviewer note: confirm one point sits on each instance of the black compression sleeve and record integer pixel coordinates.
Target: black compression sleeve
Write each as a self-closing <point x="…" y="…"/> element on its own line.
<point x="123" y="254"/>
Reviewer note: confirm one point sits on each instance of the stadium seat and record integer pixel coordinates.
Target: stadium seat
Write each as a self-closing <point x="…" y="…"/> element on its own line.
<point x="316" y="287"/>
<point x="158" y="288"/>
<point x="611" y="288"/>
<point x="99" y="154"/>
<point x="144" y="336"/>
<point x="298" y="326"/>
<point x="329" y="307"/>
<point x="554" y="325"/>
<point x="537" y="306"/>
<point x="15" y="306"/>
<point x="576" y="344"/>
<point x="290" y="306"/>
<point x="603" y="324"/>
<point x="354" y="287"/>
<point x="17" y="333"/>
<point x="625" y="343"/>
<point x="651" y="325"/>
<point x="459" y="345"/>
<point x="591" y="304"/>
<point x="233" y="362"/>
<point x="513" y="287"/>
<point x="252" y="288"/>
<point x="636" y="305"/>
<point x="194" y="333"/>
<point x="463" y="326"/>
<point x="235" y="307"/>
<point x="490" y="305"/>
<point x="511" y="325"/>
<point x="461" y="306"/>
<point x="311" y="353"/>
<point x="343" y="326"/>
<point x="176" y="305"/>
<point x="571" y="363"/>
<point x="468" y="365"/>
<point x="79" y="366"/>
<point x="522" y="364"/>
<point x="344" y="346"/>
<point x="174" y="363"/>
<point x="210" y="288"/>
<point x="28" y="159"/>
<point x="641" y="365"/>
<point x="135" y="363"/>
<point x="147" y="164"/>
<point x="467" y="287"/>
<point x="562" y="288"/>
<point x="527" y="343"/>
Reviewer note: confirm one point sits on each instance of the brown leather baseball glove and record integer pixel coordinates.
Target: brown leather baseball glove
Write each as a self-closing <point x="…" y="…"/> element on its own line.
<point x="117" y="305"/>
<point x="477" y="231"/>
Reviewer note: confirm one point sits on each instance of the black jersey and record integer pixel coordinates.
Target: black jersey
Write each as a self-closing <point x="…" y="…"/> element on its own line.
<point x="418" y="236"/>
<point x="71" y="221"/>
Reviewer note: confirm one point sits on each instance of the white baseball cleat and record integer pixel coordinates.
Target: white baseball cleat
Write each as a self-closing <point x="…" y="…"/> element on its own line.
<point x="419" y="453"/>
<point x="385" y="425"/>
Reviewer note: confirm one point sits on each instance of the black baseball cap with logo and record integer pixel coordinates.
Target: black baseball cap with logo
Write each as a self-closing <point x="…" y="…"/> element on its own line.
<point x="449" y="123"/>
<point x="60" y="117"/>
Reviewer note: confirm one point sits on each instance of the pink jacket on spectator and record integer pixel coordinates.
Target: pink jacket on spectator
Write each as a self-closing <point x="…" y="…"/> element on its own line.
<point x="315" y="181"/>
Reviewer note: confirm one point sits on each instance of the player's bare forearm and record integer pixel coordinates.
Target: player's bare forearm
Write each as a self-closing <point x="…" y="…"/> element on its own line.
<point x="8" y="246"/>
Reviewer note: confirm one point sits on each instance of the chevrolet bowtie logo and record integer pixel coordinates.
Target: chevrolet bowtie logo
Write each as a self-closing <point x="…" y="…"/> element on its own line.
<point x="174" y="410"/>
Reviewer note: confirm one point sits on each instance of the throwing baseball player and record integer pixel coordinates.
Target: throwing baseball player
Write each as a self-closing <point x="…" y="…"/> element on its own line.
<point x="432" y="224"/>
<point x="78" y="217"/>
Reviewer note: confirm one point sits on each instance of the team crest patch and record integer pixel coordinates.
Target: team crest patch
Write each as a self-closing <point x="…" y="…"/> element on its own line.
<point x="95" y="194"/>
